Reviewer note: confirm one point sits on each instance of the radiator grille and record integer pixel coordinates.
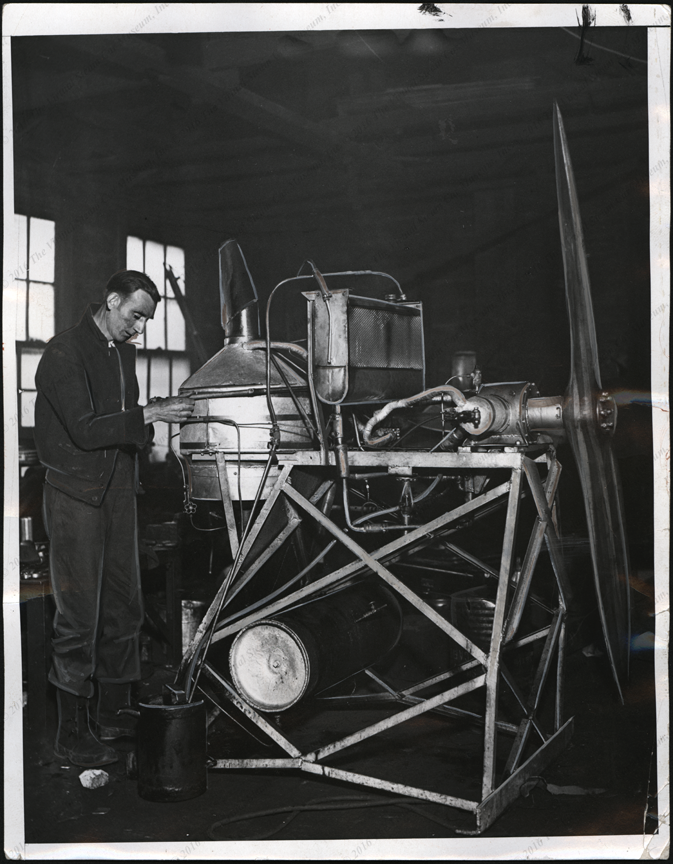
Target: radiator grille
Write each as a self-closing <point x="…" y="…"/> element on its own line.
<point x="384" y="338"/>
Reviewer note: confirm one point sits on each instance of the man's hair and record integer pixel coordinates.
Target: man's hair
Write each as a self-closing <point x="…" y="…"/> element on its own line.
<point x="126" y="282"/>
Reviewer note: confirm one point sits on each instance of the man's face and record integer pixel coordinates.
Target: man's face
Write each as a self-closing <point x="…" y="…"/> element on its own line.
<point x="127" y="315"/>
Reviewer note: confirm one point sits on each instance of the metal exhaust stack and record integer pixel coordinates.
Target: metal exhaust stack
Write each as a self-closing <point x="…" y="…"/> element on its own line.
<point x="238" y="296"/>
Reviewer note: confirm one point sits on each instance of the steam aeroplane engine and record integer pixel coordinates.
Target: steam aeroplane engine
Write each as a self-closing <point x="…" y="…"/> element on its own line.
<point x="340" y="452"/>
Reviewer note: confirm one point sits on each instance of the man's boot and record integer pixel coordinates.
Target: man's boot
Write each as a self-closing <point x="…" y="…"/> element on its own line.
<point x="110" y="724"/>
<point x="75" y="740"/>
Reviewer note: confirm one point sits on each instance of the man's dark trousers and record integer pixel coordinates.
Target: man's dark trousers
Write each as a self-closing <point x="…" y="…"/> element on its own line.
<point x="95" y="576"/>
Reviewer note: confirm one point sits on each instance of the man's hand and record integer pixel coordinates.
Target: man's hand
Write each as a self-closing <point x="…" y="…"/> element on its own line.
<point x="174" y="409"/>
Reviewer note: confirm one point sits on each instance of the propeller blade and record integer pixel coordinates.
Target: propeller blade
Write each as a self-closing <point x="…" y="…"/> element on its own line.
<point x="589" y="416"/>
<point x="584" y="368"/>
<point x="603" y="505"/>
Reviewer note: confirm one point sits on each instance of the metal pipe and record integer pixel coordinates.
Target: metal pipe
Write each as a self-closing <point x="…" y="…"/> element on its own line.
<point x="310" y="428"/>
<point x="259" y="344"/>
<point x="370" y="529"/>
<point x="435" y="394"/>
<point x="238" y="295"/>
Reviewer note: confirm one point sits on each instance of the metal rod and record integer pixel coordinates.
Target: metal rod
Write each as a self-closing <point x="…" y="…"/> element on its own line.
<point x="431" y="569"/>
<point x="397" y="788"/>
<point x="534" y="696"/>
<point x="451" y="711"/>
<point x="560" y="672"/>
<point x="437" y="462"/>
<point x="439" y="709"/>
<point x="310" y="428"/>
<point x="396" y="719"/>
<point x="379" y="554"/>
<point x="491" y="807"/>
<point x="215" y="606"/>
<point x="249" y="712"/>
<point x="551" y="536"/>
<point x="444" y="676"/>
<point x="255" y="763"/>
<point x="369" y="529"/>
<point x="387" y="576"/>
<point x="196" y="664"/>
<point x="317" y="410"/>
<point x="263" y="557"/>
<point x="253" y="529"/>
<point x="492" y="668"/>
<point x="471" y="558"/>
<point x="223" y="479"/>
<point x="437" y="679"/>
<point x="531" y="556"/>
<point x="518" y="695"/>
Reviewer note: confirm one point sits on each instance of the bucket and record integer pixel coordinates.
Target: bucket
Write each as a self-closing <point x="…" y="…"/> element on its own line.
<point x="171" y="751"/>
<point x="277" y="661"/>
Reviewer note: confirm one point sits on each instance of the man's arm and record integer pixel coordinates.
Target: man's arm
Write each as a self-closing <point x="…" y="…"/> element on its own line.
<point x="173" y="409"/>
<point x="63" y="382"/>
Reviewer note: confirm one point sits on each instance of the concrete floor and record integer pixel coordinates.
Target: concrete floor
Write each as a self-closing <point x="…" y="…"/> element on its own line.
<point x="610" y="750"/>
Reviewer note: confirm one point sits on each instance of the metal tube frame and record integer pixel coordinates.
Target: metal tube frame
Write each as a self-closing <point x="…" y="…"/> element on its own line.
<point x="487" y="665"/>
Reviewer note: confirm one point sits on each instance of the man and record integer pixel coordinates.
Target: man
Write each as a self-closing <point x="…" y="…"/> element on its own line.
<point x="88" y="431"/>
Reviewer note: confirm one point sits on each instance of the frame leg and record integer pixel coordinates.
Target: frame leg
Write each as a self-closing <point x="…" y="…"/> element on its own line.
<point x="493" y="666"/>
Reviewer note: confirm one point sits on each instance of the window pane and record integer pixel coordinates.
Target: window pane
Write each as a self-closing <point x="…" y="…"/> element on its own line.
<point x="159" y="384"/>
<point x="40" y="311"/>
<point x="181" y="372"/>
<point x="19" y="261"/>
<point x="14" y="306"/>
<point x="30" y="357"/>
<point x="134" y="254"/>
<point x="175" y="325"/>
<point x="28" y="409"/>
<point x="141" y="375"/>
<point x="155" y="336"/>
<point x="176" y="258"/>
<point x="154" y="264"/>
<point x="41" y="261"/>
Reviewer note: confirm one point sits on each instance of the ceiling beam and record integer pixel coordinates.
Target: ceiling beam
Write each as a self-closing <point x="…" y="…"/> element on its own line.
<point x="148" y="61"/>
<point x="384" y="116"/>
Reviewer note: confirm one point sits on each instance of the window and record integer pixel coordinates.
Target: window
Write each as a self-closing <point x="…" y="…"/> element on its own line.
<point x="33" y="293"/>
<point x="162" y="363"/>
<point x="167" y="329"/>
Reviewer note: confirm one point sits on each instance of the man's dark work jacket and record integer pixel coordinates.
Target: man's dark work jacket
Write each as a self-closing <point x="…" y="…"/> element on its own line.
<point x="86" y="409"/>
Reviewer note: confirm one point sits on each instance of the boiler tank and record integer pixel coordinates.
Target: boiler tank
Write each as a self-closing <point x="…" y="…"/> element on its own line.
<point x="231" y="413"/>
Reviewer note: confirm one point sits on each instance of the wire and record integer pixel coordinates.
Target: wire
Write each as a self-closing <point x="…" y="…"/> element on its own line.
<point x="343" y="802"/>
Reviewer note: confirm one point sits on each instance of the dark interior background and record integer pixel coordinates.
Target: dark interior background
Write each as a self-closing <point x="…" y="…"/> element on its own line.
<point x="426" y="153"/>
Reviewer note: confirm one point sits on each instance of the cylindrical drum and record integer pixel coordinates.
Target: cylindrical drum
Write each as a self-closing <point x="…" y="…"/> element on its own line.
<point x="277" y="661"/>
<point x="171" y="749"/>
